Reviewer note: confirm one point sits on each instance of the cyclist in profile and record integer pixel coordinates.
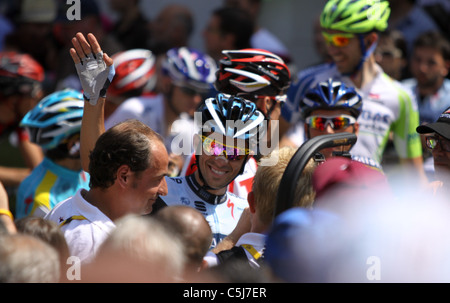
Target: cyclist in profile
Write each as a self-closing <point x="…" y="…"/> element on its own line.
<point x="54" y="124"/>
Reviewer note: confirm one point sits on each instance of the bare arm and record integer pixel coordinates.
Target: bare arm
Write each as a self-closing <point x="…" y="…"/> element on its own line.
<point x="31" y="153"/>
<point x="243" y="226"/>
<point x="4" y="207"/>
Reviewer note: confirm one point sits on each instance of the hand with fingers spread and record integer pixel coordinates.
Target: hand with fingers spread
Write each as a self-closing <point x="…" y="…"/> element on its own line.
<point x="95" y="69"/>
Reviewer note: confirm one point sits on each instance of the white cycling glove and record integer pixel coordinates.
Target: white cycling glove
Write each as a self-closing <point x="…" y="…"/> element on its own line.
<point x="95" y="77"/>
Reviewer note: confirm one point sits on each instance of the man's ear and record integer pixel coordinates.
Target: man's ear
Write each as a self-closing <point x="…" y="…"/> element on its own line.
<point x="370" y="39"/>
<point x="251" y="202"/>
<point x="356" y="128"/>
<point x="123" y="175"/>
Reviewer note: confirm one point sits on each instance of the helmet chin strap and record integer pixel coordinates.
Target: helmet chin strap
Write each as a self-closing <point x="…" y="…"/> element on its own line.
<point x="366" y="52"/>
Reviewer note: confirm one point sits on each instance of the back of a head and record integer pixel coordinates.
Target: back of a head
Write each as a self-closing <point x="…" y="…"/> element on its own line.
<point x="191" y="226"/>
<point x="46" y="230"/>
<point x="344" y="185"/>
<point x="267" y="180"/>
<point x="141" y="241"/>
<point x="26" y="259"/>
<point x="237" y="22"/>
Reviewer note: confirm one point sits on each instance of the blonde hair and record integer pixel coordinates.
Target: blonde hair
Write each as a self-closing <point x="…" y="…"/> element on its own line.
<point x="267" y="180"/>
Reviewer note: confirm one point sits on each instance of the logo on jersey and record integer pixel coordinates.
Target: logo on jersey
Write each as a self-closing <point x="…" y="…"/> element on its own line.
<point x="185" y="201"/>
<point x="231" y="205"/>
<point x="200" y="206"/>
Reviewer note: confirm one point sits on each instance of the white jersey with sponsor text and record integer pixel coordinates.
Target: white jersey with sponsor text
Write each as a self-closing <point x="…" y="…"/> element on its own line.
<point x="387" y="106"/>
<point x="221" y="212"/>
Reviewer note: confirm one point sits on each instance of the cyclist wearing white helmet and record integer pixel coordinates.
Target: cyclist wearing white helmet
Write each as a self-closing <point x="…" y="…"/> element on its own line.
<point x="229" y="131"/>
<point x="187" y="77"/>
<point x="54" y="124"/>
<point x="350" y="28"/>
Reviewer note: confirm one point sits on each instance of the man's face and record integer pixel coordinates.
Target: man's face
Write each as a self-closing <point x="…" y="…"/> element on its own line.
<point x="220" y="161"/>
<point x="324" y="122"/>
<point x="428" y="66"/>
<point x="185" y="99"/>
<point x="146" y="186"/>
<point x="347" y="56"/>
<point x="213" y="38"/>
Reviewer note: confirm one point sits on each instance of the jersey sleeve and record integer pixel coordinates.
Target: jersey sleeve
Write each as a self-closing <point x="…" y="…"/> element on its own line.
<point x="406" y="139"/>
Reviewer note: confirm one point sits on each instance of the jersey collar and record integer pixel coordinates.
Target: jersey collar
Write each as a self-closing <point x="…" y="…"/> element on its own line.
<point x="203" y="193"/>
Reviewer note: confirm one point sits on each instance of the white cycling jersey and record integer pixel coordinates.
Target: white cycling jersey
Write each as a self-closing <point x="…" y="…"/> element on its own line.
<point x="150" y="111"/>
<point x="387" y="106"/>
<point x="221" y="212"/>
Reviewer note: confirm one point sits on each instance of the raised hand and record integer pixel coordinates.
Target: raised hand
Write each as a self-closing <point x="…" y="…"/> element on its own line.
<point x="95" y="68"/>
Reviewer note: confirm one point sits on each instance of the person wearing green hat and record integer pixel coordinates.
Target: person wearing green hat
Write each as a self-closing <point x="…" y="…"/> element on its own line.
<point x="351" y="30"/>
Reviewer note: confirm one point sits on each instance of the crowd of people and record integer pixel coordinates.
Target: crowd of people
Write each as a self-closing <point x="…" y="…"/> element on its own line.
<point x="149" y="160"/>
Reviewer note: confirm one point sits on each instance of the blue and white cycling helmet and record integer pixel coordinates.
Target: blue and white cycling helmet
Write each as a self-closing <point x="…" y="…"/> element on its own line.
<point x="331" y="95"/>
<point x="187" y="66"/>
<point x="221" y="113"/>
<point x="55" y="118"/>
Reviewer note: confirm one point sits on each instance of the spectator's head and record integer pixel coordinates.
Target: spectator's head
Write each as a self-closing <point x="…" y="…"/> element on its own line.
<point x="131" y="158"/>
<point x="192" y="228"/>
<point x="430" y="61"/>
<point x="171" y="28"/>
<point x="391" y="53"/>
<point x="141" y="246"/>
<point x="437" y="137"/>
<point x="331" y="107"/>
<point x="228" y="28"/>
<point x="267" y="181"/>
<point x="342" y="183"/>
<point x="49" y="232"/>
<point x="27" y="259"/>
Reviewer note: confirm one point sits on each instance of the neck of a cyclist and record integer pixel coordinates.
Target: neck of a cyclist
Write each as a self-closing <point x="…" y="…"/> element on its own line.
<point x="201" y="181"/>
<point x="365" y="74"/>
<point x="365" y="70"/>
